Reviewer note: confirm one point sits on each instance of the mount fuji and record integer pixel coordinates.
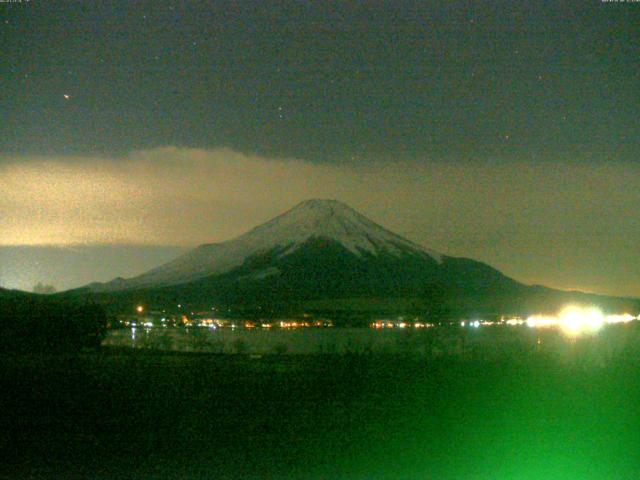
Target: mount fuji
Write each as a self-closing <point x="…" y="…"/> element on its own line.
<point x="324" y="253"/>
<point x="311" y="221"/>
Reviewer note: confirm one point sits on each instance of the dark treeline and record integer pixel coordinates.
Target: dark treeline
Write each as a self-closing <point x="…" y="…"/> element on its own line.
<point x="33" y="323"/>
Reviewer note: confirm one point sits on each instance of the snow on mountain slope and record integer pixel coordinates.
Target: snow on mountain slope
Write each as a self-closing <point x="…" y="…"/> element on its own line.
<point x="312" y="218"/>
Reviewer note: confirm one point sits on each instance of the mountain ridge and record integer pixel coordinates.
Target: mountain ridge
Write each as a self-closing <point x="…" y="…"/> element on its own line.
<point x="322" y="250"/>
<point x="308" y="219"/>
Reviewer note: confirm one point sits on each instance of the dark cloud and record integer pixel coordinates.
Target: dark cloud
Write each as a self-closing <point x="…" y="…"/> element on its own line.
<point x="456" y="81"/>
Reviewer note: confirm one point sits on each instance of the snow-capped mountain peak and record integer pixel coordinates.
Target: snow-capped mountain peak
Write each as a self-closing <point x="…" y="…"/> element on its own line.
<point x="330" y="219"/>
<point x="316" y="218"/>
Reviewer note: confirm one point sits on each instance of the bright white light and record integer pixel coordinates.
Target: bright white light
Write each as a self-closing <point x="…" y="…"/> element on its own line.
<point x="541" y="321"/>
<point x="476" y="324"/>
<point x="624" y="318"/>
<point x="576" y="320"/>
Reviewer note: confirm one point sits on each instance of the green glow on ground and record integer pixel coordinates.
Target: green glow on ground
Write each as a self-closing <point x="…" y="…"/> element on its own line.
<point x="526" y="416"/>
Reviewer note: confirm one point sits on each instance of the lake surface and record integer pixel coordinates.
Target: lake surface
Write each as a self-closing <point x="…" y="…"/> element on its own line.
<point x="484" y="342"/>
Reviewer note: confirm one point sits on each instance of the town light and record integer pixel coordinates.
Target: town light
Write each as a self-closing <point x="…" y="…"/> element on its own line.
<point x="624" y="318"/>
<point x="573" y="320"/>
<point x="541" y="321"/>
<point x="577" y="320"/>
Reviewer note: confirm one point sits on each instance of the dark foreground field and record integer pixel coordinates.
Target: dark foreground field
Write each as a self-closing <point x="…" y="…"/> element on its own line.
<point x="179" y="416"/>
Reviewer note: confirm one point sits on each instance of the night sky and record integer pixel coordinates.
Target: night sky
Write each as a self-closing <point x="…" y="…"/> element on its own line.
<point x="502" y="131"/>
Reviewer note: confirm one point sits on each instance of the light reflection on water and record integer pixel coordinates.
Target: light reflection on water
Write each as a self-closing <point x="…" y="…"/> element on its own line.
<point x="495" y="341"/>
